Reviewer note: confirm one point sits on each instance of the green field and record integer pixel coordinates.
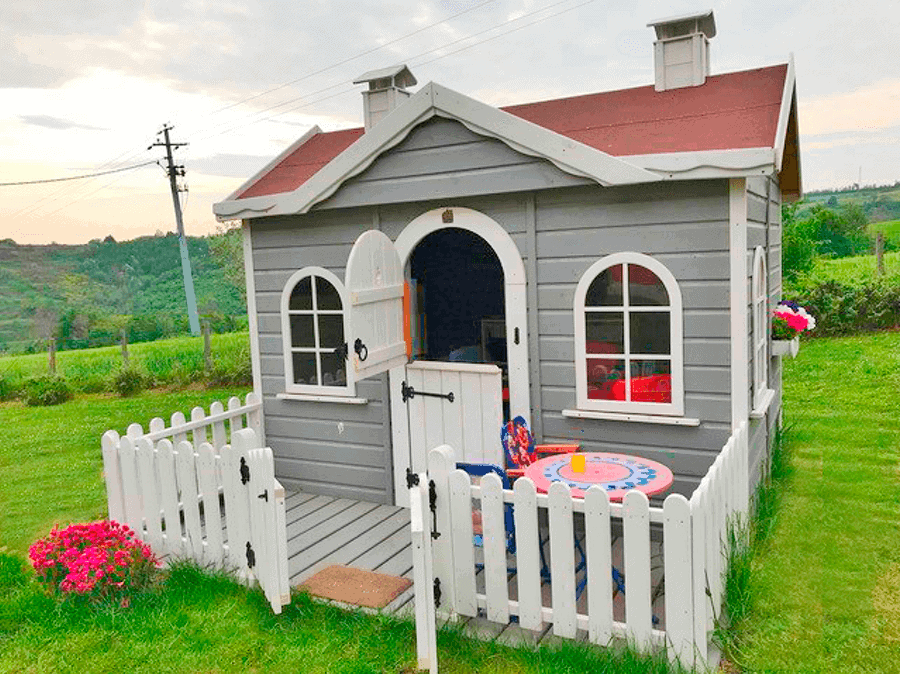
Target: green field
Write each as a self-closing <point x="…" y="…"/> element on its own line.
<point x="177" y="361"/>
<point x="855" y="270"/>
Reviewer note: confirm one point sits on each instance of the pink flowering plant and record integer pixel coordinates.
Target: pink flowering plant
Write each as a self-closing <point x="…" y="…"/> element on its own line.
<point x="95" y="561"/>
<point x="790" y="319"/>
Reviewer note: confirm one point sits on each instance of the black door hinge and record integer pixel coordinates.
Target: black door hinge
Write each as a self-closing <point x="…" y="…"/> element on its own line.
<point x="432" y="503"/>
<point x="437" y="592"/>
<point x="251" y="556"/>
<point x="245" y="471"/>
<point x="264" y="496"/>
<point x="412" y="479"/>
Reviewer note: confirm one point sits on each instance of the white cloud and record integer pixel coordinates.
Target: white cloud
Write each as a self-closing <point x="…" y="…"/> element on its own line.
<point x="871" y="107"/>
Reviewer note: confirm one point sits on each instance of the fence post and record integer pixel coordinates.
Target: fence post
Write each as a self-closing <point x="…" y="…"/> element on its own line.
<point x="426" y="627"/>
<point x="207" y="351"/>
<point x="124" y="347"/>
<point x="51" y="354"/>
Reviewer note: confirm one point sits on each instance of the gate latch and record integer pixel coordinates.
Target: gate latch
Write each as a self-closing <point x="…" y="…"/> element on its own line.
<point x="432" y="504"/>
<point x="251" y="556"/>
<point x="407" y="392"/>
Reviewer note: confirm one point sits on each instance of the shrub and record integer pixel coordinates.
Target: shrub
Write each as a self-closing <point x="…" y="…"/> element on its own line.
<point x="231" y="374"/>
<point x="8" y="390"/>
<point x="843" y="308"/>
<point x="47" y="389"/>
<point x="95" y="561"/>
<point x="128" y="381"/>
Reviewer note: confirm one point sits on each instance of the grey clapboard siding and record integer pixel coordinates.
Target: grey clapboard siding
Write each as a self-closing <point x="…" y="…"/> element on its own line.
<point x="442" y="159"/>
<point x="442" y="164"/>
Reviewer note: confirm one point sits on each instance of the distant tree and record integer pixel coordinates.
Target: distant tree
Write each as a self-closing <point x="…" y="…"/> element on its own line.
<point x="832" y="201"/>
<point x="798" y="244"/>
<point x="226" y="248"/>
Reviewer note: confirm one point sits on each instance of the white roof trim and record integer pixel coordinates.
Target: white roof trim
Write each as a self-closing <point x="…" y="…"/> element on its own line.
<point x="568" y="155"/>
<point x="272" y="164"/>
<point x="787" y="98"/>
<point x="708" y="163"/>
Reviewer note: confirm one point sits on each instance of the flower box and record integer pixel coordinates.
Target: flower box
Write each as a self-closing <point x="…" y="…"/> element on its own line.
<point x="786" y="347"/>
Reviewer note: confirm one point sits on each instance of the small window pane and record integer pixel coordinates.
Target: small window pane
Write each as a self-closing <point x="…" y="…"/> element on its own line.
<point x="651" y="381"/>
<point x="302" y="334"/>
<point x="645" y="288"/>
<point x="327" y="296"/>
<point x="604" y="332"/>
<point x="650" y="332"/>
<point x="333" y="373"/>
<point x="605" y="379"/>
<point x="606" y="289"/>
<point x="301" y="295"/>
<point x="331" y="331"/>
<point x="305" y="369"/>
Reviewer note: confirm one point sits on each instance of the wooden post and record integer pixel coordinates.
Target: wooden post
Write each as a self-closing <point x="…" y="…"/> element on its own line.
<point x="207" y="351"/>
<point x="879" y="252"/>
<point x="51" y="354"/>
<point x="124" y="347"/>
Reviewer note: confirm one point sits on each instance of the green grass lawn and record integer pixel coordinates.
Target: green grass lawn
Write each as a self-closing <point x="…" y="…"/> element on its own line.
<point x="854" y="270"/>
<point x="826" y="587"/>
<point x="168" y="361"/>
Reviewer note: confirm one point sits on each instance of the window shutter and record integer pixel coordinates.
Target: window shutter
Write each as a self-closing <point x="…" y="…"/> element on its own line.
<point x="374" y="282"/>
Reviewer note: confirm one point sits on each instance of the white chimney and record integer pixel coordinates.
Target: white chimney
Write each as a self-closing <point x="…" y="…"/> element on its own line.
<point x="387" y="90"/>
<point x="681" y="50"/>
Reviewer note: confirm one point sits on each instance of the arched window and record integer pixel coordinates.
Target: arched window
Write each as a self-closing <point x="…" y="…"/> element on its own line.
<point x="760" y="327"/>
<point x="628" y="337"/>
<point x="314" y="328"/>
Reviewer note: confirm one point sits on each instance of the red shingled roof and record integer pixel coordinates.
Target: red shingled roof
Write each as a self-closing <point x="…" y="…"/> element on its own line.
<point x="732" y="111"/>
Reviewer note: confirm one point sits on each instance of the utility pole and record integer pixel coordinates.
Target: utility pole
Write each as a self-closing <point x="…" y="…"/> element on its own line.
<point x="173" y="172"/>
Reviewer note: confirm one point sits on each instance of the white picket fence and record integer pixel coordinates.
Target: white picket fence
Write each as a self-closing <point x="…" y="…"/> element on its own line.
<point x="204" y="489"/>
<point x="693" y="533"/>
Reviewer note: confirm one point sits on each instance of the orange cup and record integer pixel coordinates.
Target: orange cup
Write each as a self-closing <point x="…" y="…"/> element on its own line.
<point x="578" y="463"/>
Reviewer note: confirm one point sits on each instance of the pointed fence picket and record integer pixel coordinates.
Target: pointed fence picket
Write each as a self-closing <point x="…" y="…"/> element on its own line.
<point x="217" y="502"/>
<point x="694" y="533"/>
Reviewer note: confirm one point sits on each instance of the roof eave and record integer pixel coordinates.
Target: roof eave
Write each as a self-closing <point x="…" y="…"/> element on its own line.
<point x="567" y="154"/>
<point x="703" y="164"/>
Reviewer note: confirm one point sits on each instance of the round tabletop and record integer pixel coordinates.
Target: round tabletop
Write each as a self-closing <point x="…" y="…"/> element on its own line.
<point x="617" y="473"/>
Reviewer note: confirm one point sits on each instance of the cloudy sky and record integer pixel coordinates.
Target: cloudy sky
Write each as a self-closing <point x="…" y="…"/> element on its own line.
<point x="86" y="84"/>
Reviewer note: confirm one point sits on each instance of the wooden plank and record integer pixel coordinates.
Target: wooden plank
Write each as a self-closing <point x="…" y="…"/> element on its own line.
<point x="238" y="525"/>
<point x="213" y="553"/>
<point x="259" y="540"/>
<point x="494" y="537"/>
<point x="599" y="566"/>
<point x="236" y="419"/>
<point x="492" y="418"/>
<point x="418" y="434"/>
<point x="452" y="419"/>
<point x="434" y="419"/>
<point x="472" y="444"/>
<point x="562" y="560"/>
<point x="178" y="422"/>
<point x="284" y="587"/>
<point x="165" y="458"/>
<point x="134" y="505"/>
<point x="678" y="547"/>
<point x="187" y="483"/>
<point x="698" y="574"/>
<point x="463" y="546"/>
<point x="441" y="462"/>
<point x="527" y="554"/>
<point x="636" y="525"/>
<point x="329" y="516"/>
<point x="115" y="498"/>
<point x="149" y="488"/>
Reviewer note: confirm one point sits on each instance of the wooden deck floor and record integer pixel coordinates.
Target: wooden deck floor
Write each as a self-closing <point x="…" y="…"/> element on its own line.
<point x="323" y="530"/>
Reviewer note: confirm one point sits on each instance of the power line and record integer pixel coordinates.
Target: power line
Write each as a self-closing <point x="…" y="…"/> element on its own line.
<point x="81" y="177"/>
<point x="258" y="114"/>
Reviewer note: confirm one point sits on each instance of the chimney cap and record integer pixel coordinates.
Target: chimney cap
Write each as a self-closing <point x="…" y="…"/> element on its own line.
<point x="400" y="74"/>
<point x="705" y="23"/>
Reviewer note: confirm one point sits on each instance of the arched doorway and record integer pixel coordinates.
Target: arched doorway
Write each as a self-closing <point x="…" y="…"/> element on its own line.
<point x="503" y="320"/>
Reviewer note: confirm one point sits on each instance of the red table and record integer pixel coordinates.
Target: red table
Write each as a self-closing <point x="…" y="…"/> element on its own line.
<point x="617" y="473"/>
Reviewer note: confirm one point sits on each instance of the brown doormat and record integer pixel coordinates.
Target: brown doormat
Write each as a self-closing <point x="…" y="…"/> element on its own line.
<point x="355" y="586"/>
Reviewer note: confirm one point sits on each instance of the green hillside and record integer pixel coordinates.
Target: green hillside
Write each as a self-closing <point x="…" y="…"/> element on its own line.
<point x="878" y="203"/>
<point x="85" y="294"/>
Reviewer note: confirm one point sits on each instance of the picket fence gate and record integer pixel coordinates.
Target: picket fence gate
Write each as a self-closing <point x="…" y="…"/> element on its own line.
<point x="694" y="556"/>
<point x="205" y="490"/>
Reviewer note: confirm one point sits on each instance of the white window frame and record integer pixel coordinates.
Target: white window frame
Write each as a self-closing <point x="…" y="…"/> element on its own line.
<point x="348" y="389"/>
<point x="676" y="342"/>
<point x="759" y="294"/>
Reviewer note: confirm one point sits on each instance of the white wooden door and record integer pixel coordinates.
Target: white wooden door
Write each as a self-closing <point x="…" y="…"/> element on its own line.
<point x="374" y="281"/>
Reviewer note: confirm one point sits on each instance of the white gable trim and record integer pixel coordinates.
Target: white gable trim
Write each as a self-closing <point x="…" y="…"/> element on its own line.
<point x="433" y="99"/>
<point x="787" y="99"/>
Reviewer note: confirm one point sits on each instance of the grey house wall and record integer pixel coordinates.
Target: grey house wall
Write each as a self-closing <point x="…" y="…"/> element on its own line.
<point x="561" y="225"/>
<point x="764" y="229"/>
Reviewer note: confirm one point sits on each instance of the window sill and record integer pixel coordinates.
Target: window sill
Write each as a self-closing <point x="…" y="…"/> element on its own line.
<point x="636" y="418"/>
<point x="760" y="410"/>
<point x="311" y="398"/>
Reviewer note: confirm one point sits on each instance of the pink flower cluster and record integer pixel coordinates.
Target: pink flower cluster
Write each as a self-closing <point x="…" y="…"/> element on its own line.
<point x="790" y="319"/>
<point x="96" y="560"/>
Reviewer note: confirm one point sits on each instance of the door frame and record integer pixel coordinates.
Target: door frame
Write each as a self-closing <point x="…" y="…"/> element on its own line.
<point x="515" y="315"/>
